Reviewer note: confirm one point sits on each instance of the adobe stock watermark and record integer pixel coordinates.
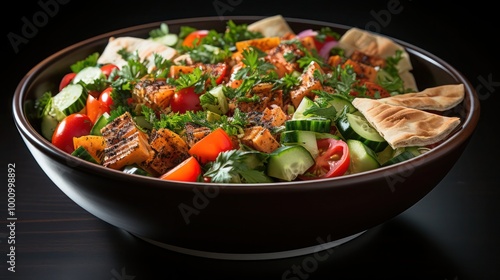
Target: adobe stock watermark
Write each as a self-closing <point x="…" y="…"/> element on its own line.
<point x="309" y="264"/>
<point x="199" y="202"/>
<point x="382" y="18"/>
<point x="31" y="26"/>
<point x="486" y="87"/>
<point x="223" y="6"/>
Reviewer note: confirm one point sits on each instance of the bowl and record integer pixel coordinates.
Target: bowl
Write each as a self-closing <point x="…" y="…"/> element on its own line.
<point x="236" y="221"/>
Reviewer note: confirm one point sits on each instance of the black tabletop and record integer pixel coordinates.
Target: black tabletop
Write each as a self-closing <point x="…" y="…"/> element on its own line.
<point x="452" y="233"/>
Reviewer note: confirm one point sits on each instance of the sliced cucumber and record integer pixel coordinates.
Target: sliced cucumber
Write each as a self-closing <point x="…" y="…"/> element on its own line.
<point x="134" y="169"/>
<point x="288" y="162"/>
<point x="82" y="153"/>
<point x="406" y="154"/>
<point x="362" y="157"/>
<point x="69" y="100"/>
<point x="307" y="139"/>
<point x="339" y="102"/>
<point x="321" y="125"/>
<point x="48" y="125"/>
<point x="217" y="102"/>
<point x="88" y="75"/>
<point x="305" y="104"/>
<point x="356" y="127"/>
<point x="99" y="123"/>
<point x="167" y="39"/>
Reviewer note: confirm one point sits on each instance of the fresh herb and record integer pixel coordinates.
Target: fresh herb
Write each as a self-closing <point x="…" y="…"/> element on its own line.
<point x="43" y="103"/>
<point x="238" y="166"/>
<point x="91" y="60"/>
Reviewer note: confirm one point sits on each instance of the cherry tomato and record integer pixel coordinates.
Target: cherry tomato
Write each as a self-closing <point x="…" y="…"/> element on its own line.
<point x="66" y="80"/>
<point x="187" y="171"/>
<point x="74" y="125"/>
<point x="218" y="70"/>
<point x="208" y="148"/>
<point x="320" y="43"/>
<point x="105" y="98"/>
<point x="107" y="69"/>
<point x="184" y="100"/>
<point x="194" y="38"/>
<point x="333" y="160"/>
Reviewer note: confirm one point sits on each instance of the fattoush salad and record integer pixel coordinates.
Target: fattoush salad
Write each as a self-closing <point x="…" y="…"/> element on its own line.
<point x="254" y="103"/>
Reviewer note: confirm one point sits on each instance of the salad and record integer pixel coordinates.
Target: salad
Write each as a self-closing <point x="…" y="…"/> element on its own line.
<point x="250" y="104"/>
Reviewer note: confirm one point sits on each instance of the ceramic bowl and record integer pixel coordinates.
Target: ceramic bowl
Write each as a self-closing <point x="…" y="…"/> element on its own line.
<point x="234" y="221"/>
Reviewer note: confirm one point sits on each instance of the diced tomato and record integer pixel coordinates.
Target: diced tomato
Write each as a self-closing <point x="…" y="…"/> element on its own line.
<point x="208" y="148"/>
<point x="94" y="108"/>
<point x="74" y="125"/>
<point x="105" y="98"/>
<point x="194" y="38"/>
<point x="332" y="161"/>
<point x="107" y="69"/>
<point x="219" y="70"/>
<point x="187" y="171"/>
<point x="185" y="100"/>
<point x="66" y="80"/>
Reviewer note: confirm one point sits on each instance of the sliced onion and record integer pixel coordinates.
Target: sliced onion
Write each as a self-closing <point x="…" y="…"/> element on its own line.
<point x="307" y="33"/>
<point x="327" y="47"/>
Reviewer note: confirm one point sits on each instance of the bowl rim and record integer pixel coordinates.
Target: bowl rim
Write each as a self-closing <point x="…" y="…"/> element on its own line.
<point x="29" y="133"/>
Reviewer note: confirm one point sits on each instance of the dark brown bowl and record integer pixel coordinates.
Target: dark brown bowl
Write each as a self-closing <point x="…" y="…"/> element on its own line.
<point x="235" y="221"/>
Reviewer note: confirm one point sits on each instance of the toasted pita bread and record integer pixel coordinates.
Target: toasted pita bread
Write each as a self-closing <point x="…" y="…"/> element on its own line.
<point x="378" y="45"/>
<point x="440" y="98"/>
<point x="405" y="127"/>
<point x="275" y="26"/>
<point x="145" y="48"/>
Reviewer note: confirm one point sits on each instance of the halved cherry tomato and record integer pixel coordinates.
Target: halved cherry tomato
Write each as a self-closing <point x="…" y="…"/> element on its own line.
<point x="74" y="125"/>
<point x="194" y="38"/>
<point x="187" y="171"/>
<point x="105" y="98"/>
<point x="66" y="80"/>
<point x="333" y="160"/>
<point x="218" y="70"/>
<point x="107" y="69"/>
<point x="184" y="100"/>
<point x="208" y="148"/>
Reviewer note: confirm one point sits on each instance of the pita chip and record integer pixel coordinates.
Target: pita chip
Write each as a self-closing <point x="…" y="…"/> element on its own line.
<point x="440" y="98"/>
<point x="275" y="26"/>
<point x="404" y="127"/>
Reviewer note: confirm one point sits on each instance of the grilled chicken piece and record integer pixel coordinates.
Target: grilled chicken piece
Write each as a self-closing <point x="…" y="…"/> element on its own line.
<point x="125" y="144"/>
<point x="274" y="116"/>
<point x="283" y="65"/>
<point x="194" y="134"/>
<point x="307" y="85"/>
<point x="364" y="58"/>
<point x="169" y="151"/>
<point x="154" y="93"/>
<point x="268" y="98"/>
<point x="364" y="72"/>
<point x="260" y="139"/>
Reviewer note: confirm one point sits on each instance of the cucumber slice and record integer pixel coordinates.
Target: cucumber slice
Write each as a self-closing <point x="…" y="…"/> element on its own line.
<point x="288" y="162"/>
<point x="100" y="123"/>
<point x="321" y="125"/>
<point x="167" y="39"/>
<point x="362" y="157"/>
<point x="305" y="104"/>
<point x="339" y="102"/>
<point x="356" y="127"/>
<point x="134" y="169"/>
<point x="307" y="139"/>
<point x="406" y="154"/>
<point x="48" y="125"/>
<point x="82" y="153"/>
<point x="216" y="103"/>
<point x="69" y="100"/>
<point x="88" y="75"/>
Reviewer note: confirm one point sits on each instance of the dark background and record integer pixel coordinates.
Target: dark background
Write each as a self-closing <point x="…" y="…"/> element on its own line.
<point x="453" y="233"/>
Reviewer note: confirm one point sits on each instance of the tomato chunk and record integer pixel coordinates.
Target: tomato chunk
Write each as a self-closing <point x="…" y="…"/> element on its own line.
<point x="74" y="125"/>
<point x="187" y="171"/>
<point x="332" y="161"/>
<point x="208" y="148"/>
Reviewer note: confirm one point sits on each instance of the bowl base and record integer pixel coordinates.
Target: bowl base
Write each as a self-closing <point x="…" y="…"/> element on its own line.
<point x="253" y="256"/>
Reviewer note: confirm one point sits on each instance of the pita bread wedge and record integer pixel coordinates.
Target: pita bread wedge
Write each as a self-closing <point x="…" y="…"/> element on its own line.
<point x="404" y="127"/>
<point x="378" y="45"/>
<point x="275" y="26"/>
<point x="145" y="48"/>
<point x="440" y="98"/>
